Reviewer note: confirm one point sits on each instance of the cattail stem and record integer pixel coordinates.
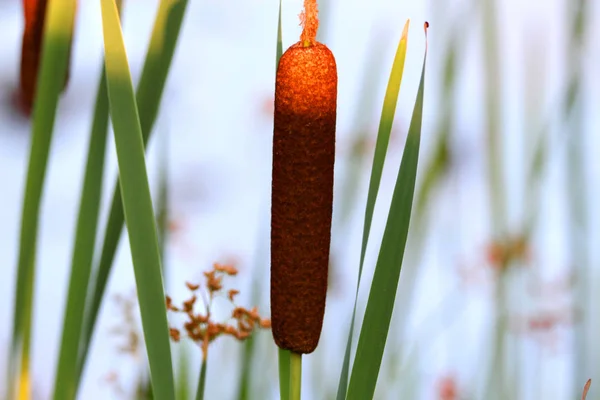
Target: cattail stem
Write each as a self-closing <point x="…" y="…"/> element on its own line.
<point x="284" y="374"/>
<point x="295" y="375"/>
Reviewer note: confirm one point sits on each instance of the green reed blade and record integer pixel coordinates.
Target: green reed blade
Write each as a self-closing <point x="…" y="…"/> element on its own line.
<point x="137" y="204"/>
<point x="380" y="305"/>
<point x="383" y="139"/>
<point x="58" y="31"/>
<point x="162" y="46"/>
<point x="67" y="378"/>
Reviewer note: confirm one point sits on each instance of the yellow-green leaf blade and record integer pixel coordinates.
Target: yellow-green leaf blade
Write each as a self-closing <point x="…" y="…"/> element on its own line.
<point x="374" y="330"/>
<point x="381" y="146"/>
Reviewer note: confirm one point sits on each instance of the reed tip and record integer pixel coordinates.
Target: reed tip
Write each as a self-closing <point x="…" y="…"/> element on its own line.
<point x="586" y="389"/>
<point x="405" y="30"/>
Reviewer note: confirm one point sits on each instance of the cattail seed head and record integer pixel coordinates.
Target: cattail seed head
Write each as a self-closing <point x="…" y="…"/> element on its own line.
<point x="302" y="193"/>
<point x="31" y="51"/>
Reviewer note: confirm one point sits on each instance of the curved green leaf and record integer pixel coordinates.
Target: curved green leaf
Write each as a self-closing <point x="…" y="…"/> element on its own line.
<point x="137" y="204"/>
<point x="380" y="306"/>
<point x="150" y="88"/>
<point x="66" y="382"/>
<point x="381" y="146"/>
<point x="58" y="31"/>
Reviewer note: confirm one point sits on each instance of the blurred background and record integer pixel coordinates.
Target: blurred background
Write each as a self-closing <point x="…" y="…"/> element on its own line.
<point x="499" y="292"/>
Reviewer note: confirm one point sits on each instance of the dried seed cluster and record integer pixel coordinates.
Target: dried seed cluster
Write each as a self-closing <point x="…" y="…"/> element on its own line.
<point x="500" y="254"/>
<point x="127" y="329"/>
<point x="302" y="188"/>
<point x="200" y="327"/>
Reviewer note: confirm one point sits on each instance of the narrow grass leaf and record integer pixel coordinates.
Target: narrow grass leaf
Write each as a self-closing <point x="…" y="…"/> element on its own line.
<point x="249" y="352"/>
<point x="380" y="305"/>
<point x="65" y="383"/>
<point x="58" y="31"/>
<point x="67" y="378"/>
<point x="162" y="220"/>
<point x="381" y="146"/>
<point x="247" y="362"/>
<point x="182" y="377"/>
<point x="162" y="207"/>
<point x="165" y="33"/>
<point x="577" y="184"/>
<point x="137" y="204"/>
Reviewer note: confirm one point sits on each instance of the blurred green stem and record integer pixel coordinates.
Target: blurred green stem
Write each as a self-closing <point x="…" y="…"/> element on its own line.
<point x="497" y="381"/>
<point x="182" y="376"/>
<point x="577" y="186"/>
<point x="257" y="284"/>
<point x="493" y="99"/>
<point x="201" y="381"/>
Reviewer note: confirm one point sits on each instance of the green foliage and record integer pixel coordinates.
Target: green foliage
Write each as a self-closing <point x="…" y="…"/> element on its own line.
<point x="137" y="204"/>
<point x="383" y="139"/>
<point x="162" y="46"/>
<point x="380" y="305"/>
<point x="133" y="115"/>
<point x="58" y="27"/>
<point x="66" y="382"/>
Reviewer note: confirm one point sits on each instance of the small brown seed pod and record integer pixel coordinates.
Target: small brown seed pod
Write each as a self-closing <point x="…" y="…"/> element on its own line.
<point x="302" y="193"/>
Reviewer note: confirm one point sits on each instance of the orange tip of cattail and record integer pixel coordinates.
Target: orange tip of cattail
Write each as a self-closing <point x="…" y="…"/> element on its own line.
<point x="310" y="22"/>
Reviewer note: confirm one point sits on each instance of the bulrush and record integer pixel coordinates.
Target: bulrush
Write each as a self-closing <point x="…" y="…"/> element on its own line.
<point x="302" y="187"/>
<point x="31" y="51"/>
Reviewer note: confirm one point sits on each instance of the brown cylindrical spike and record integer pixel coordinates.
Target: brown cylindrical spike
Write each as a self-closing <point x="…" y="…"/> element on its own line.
<point x="31" y="51"/>
<point x="302" y="193"/>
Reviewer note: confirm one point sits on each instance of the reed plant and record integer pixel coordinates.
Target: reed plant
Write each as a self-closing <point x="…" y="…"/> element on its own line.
<point x="304" y="148"/>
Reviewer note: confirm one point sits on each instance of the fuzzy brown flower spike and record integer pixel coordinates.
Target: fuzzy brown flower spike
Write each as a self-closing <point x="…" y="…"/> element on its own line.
<point x="200" y="327"/>
<point x="35" y="16"/>
<point x="302" y="188"/>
